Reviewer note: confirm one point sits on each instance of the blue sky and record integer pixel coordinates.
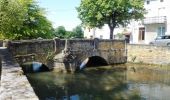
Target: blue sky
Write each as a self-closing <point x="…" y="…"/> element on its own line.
<point x="61" y="12"/>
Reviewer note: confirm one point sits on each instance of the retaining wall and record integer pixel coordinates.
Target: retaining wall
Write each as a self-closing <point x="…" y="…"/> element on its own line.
<point x="13" y="84"/>
<point x="148" y="54"/>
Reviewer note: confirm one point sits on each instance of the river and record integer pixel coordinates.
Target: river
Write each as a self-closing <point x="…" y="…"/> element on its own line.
<point x="102" y="83"/>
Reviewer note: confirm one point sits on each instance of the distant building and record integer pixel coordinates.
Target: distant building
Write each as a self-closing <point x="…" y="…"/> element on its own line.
<point x="102" y="33"/>
<point x="155" y="23"/>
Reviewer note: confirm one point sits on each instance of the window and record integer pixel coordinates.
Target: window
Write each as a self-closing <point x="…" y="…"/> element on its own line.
<point x="161" y="0"/>
<point x="161" y="31"/>
<point x="141" y="33"/>
<point x="147" y="2"/>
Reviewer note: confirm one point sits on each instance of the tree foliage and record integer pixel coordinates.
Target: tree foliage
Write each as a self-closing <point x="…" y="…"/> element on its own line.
<point x="23" y="19"/>
<point x="36" y="24"/>
<point x="61" y="32"/>
<point x="78" y="32"/>
<point x="11" y="17"/>
<point x="96" y="13"/>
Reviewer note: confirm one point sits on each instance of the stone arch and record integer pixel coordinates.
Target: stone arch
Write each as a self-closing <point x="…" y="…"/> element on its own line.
<point x="93" y="61"/>
<point x="32" y="67"/>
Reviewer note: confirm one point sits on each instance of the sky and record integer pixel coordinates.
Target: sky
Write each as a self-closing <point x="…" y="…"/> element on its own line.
<point x="61" y="12"/>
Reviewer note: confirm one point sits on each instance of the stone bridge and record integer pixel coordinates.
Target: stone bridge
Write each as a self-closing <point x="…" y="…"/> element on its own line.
<point x="70" y="54"/>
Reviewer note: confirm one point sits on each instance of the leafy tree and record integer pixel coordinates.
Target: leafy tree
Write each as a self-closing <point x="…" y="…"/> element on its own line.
<point x="11" y="17"/>
<point x="96" y="13"/>
<point x="23" y="19"/>
<point x="60" y="32"/>
<point x="36" y="24"/>
<point x="78" y="32"/>
<point x="69" y="34"/>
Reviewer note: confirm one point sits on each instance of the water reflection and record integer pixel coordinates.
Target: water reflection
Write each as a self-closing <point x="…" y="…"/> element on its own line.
<point x="152" y="85"/>
<point x="102" y="84"/>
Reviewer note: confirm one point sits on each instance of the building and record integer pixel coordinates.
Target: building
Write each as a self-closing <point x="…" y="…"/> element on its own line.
<point x="102" y="33"/>
<point x="155" y="23"/>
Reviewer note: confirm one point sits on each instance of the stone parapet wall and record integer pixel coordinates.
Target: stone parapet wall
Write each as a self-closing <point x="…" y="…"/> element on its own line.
<point x="31" y="50"/>
<point x="148" y="54"/>
<point x="31" y="46"/>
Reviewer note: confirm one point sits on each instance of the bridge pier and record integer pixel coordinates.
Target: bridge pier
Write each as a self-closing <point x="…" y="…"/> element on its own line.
<point x="65" y="62"/>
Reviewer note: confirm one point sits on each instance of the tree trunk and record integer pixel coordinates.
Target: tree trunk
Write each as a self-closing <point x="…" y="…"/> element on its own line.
<point x="111" y="32"/>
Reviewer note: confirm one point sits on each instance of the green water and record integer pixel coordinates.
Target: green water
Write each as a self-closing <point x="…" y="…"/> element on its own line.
<point x="102" y="84"/>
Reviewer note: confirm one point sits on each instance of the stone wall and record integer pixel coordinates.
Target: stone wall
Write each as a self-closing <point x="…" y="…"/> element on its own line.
<point x="31" y="50"/>
<point x="31" y="46"/>
<point x="148" y="54"/>
<point x="113" y="51"/>
<point x="13" y="84"/>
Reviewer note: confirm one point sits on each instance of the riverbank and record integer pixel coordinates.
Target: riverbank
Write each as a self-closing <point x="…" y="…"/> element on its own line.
<point x="14" y="85"/>
<point x="133" y="66"/>
<point x="158" y="67"/>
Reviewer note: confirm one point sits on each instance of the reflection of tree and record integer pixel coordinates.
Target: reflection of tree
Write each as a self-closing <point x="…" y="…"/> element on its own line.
<point x="105" y="85"/>
<point x="94" y="84"/>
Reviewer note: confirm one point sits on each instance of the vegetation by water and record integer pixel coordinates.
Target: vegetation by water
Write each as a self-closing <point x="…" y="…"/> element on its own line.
<point x="104" y="83"/>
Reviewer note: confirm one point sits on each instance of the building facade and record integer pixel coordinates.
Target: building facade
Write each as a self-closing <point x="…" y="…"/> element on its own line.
<point x="156" y="22"/>
<point x="104" y="32"/>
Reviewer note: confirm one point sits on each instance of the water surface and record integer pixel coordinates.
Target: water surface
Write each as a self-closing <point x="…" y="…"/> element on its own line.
<point x="102" y="84"/>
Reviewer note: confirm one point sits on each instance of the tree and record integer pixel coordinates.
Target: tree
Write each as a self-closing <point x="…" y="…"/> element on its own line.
<point x="60" y="32"/>
<point x="11" y="17"/>
<point x="36" y="24"/>
<point x="77" y="32"/>
<point x="96" y="13"/>
<point x="23" y="19"/>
